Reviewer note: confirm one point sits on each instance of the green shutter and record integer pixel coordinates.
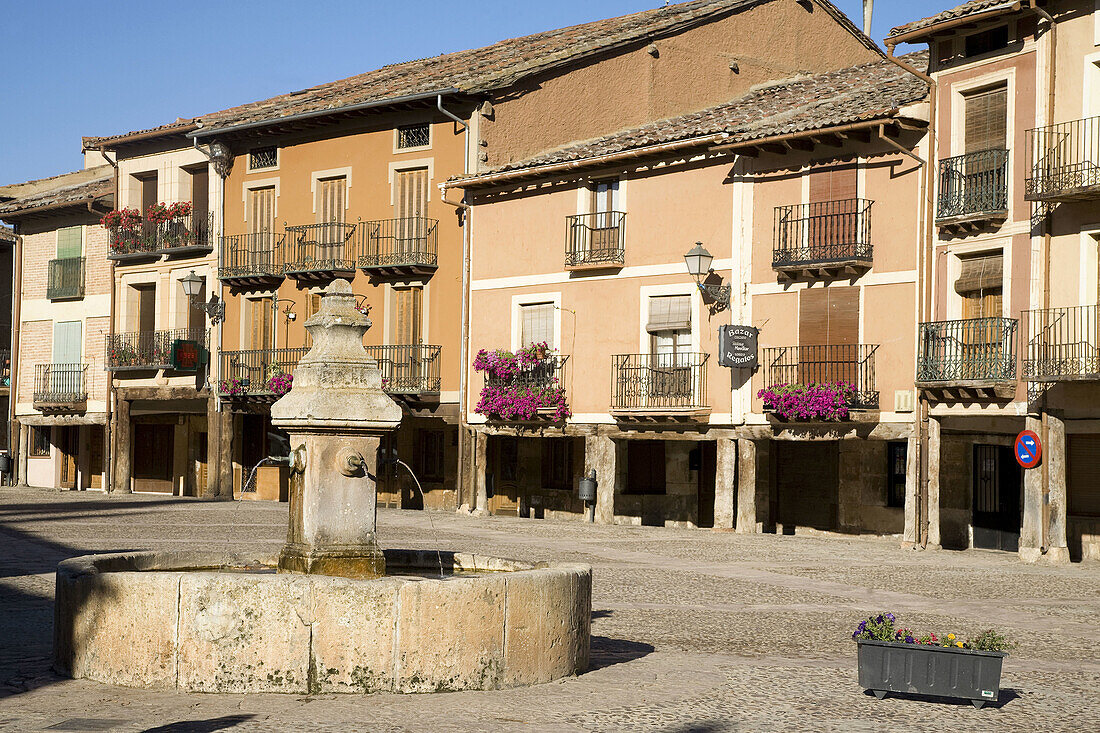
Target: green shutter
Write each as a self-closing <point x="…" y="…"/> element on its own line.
<point x="69" y="242"/>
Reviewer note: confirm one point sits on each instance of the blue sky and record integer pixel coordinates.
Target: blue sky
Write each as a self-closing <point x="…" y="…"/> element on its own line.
<point x="80" y="68"/>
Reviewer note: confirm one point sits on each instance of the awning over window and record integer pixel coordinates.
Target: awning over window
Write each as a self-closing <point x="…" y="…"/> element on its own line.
<point x="669" y="313"/>
<point x="980" y="273"/>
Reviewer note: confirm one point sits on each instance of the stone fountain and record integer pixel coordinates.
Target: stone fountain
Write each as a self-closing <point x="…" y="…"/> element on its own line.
<point x="333" y="612"/>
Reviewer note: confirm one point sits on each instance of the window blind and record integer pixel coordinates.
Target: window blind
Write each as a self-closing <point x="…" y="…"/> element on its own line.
<point x="980" y="274"/>
<point x="669" y="313"/>
<point x="69" y="242"/>
<point x="537" y="323"/>
<point x="986" y="120"/>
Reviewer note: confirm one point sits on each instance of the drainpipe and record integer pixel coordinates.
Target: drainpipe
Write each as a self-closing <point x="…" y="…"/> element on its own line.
<point x="108" y="454"/>
<point x="924" y="303"/>
<point x="1051" y="77"/>
<point x="464" y="349"/>
<point x="17" y="301"/>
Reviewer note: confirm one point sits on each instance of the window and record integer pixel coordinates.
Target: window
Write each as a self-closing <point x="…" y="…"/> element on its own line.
<point x="260" y="315"/>
<point x="557" y="463"/>
<point x="405" y="327"/>
<point x="669" y="326"/>
<point x="414" y="136"/>
<point x="897" y="454"/>
<point x="986" y="120"/>
<point x="70" y="242"/>
<point x="39" y="442"/>
<point x="260" y="158"/>
<point x="431" y="455"/>
<point x="828" y="335"/>
<point x="261" y="209"/>
<point x="980" y="285"/>
<point x="536" y="324"/>
<point x="331" y="199"/>
<point x="993" y="39"/>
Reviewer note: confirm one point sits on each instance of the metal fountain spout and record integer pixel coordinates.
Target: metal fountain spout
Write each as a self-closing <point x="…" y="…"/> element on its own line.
<point x="336" y="414"/>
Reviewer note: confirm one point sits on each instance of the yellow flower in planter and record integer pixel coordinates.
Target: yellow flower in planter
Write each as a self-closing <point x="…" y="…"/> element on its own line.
<point x="951" y="637"/>
<point x="959" y="644"/>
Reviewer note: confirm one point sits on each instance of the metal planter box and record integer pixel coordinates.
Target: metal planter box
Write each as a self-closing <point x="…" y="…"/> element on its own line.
<point x="886" y="666"/>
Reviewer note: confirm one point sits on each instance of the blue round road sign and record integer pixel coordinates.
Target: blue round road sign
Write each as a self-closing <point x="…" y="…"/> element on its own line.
<point x="1028" y="449"/>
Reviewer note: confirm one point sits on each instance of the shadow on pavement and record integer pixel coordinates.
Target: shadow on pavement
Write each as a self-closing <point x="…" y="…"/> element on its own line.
<point x="606" y="652"/>
<point x="202" y="726"/>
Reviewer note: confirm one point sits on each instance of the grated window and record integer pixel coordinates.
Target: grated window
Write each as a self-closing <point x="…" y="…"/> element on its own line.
<point x="263" y="158"/>
<point x="413" y="136"/>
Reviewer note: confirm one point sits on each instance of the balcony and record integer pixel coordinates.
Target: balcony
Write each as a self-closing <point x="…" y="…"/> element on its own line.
<point x="395" y="248"/>
<point x="408" y="369"/>
<point x="595" y="241"/>
<point x="831" y="364"/>
<point x="1063" y="344"/>
<point x="65" y="278"/>
<point x="822" y="239"/>
<point x="659" y="386"/>
<point x="1065" y="162"/>
<point x="145" y="350"/>
<point x="972" y="354"/>
<point x="60" y="387"/>
<point x="973" y="189"/>
<point x="192" y="234"/>
<point x="252" y="260"/>
<point x="319" y="253"/>
<point x="247" y="375"/>
<point x="137" y="243"/>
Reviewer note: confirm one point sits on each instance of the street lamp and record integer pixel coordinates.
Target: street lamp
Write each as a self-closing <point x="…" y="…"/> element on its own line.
<point x="214" y="308"/>
<point x="698" y="261"/>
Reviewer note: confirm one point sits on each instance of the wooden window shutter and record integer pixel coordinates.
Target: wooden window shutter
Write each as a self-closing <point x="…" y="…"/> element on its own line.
<point x="261" y="323"/>
<point x="148" y="192"/>
<point x="986" y="120"/>
<point x="200" y="193"/>
<point x="411" y="195"/>
<point x="332" y="198"/>
<point x="261" y="209"/>
<point x="1083" y="474"/>
<point x="828" y="316"/>
<point x="407" y="316"/>
<point x="833" y="184"/>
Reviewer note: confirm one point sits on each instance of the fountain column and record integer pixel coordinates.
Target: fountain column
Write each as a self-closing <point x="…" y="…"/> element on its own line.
<point x="336" y="414"/>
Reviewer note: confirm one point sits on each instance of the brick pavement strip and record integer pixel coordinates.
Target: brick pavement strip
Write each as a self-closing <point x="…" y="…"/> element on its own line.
<point x="693" y="630"/>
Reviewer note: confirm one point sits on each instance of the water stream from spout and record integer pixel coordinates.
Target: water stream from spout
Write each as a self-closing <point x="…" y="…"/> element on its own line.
<point x="424" y="504"/>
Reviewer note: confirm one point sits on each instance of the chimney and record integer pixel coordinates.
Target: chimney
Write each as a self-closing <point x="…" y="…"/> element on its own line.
<point x="867" y="16"/>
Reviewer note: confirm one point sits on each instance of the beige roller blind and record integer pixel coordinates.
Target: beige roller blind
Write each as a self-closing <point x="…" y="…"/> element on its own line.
<point x="411" y="193"/>
<point x="537" y="323"/>
<point x="669" y="313"/>
<point x="331" y="199"/>
<point x="260" y="316"/>
<point x="986" y="120"/>
<point x="980" y="273"/>
<point x="407" y="315"/>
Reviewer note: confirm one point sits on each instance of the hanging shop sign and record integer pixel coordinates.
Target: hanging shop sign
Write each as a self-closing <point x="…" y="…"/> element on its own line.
<point x="737" y="346"/>
<point x="187" y="356"/>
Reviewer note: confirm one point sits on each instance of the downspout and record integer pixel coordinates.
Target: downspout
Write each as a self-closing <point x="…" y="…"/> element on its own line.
<point x="108" y="454"/>
<point x="1051" y="77"/>
<point x="464" y="349"/>
<point x="924" y="303"/>
<point x="17" y="301"/>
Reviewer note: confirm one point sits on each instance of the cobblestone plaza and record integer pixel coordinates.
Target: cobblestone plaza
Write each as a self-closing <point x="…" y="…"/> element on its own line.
<point x="692" y="631"/>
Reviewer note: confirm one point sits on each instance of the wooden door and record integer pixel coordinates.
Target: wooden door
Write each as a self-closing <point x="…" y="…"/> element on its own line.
<point x="503" y="459"/>
<point x="389" y="480"/>
<point x="68" y="441"/>
<point x="95" y="457"/>
<point x="604" y="225"/>
<point x="154" y="457"/>
<point x="148" y="200"/>
<point x="807" y="484"/>
<point x="201" y="473"/>
<point x="200" y="202"/>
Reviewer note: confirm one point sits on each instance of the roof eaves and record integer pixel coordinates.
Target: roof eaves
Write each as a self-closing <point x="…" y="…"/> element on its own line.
<point x="922" y="29"/>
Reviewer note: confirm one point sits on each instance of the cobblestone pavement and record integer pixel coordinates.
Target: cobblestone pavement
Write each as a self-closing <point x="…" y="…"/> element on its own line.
<point x="693" y="630"/>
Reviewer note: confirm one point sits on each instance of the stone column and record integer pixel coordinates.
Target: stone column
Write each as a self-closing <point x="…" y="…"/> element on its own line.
<point x="935" y="450"/>
<point x="600" y="454"/>
<point x="481" y="465"/>
<point x="213" y="447"/>
<point x="1031" y="531"/>
<point x="1054" y="455"/>
<point x="223" y="489"/>
<point x="912" y="488"/>
<point x="122" y="453"/>
<point x="725" y="484"/>
<point x="24" y="443"/>
<point x="753" y="485"/>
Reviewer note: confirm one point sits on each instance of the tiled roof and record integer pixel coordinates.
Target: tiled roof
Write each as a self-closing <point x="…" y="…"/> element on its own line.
<point x="483" y="69"/>
<point x="800" y="104"/>
<point x="971" y="8"/>
<point x="67" y="189"/>
<point x="181" y="124"/>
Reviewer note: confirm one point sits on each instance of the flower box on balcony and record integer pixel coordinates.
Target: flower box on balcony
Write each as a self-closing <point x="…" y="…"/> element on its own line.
<point x="830" y="402"/>
<point x="522" y="387"/>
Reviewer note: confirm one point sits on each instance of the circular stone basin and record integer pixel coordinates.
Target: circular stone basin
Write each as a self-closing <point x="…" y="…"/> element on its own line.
<point x="213" y="622"/>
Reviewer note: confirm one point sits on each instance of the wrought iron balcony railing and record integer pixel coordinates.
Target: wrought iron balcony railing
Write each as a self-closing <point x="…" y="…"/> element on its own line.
<point x="595" y="240"/>
<point x="822" y="233"/>
<point x="398" y="243"/>
<point x="1062" y="344"/>
<point x="550" y="372"/>
<point x="852" y="364"/>
<point x="968" y="350"/>
<point x="321" y="249"/>
<point x="973" y="186"/>
<point x="65" y="278"/>
<point x="248" y="373"/>
<point x="148" y="349"/>
<point x="408" y="368"/>
<point x="135" y="242"/>
<point x="60" y="384"/>
<point x="658" y="382"/>
<point x="192" y="233"/>
<point x="257" y="256"/>
<point x="1065" y="161"/>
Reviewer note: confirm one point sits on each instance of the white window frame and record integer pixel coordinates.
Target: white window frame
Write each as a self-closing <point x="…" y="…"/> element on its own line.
<point x="408" y="165"/>
<point x="645" y="292"/>
<point x="260" y="183"/>
<point x="316" y="176"/>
